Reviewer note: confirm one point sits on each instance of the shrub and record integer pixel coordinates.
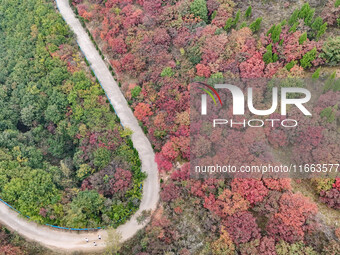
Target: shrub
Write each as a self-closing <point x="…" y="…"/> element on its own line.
<point x="307" y="59"/>
<point x="332" y="83"/>
<point x="213" y="15"/>
<point x="331" y="50"/>
<point x="136" y="91"/>
<point x="169" y="192"/>
<point x="242" y="227"/>
<point x="167" y="71"/>
<point x="194" y="54"/>
<point x="226" y="204"/>
<point x="203" y="70"/>
<point x="290" y="65"/>
<point x="291" y="221"/>
<point x="337" y="3"/>
<point x="199" y="9"/>
<point x="331" y="198"/>
<point x="323" y="184"/>
<point x="283" y="248"/>
<point x="251" y="189"/>
<point x="329" y="113"/>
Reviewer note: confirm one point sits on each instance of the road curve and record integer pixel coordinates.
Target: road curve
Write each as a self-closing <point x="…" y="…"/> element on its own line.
<point x="73" y="241"/>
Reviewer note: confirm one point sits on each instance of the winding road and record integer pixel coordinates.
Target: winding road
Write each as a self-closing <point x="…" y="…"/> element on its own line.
<point x="67" y="241"/>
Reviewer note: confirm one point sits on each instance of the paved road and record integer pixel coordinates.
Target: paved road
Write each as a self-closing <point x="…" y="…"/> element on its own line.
<point x="71" y="241"/>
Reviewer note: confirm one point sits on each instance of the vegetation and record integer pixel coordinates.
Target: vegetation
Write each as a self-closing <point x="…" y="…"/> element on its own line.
<point x="255" y="26"/>
<point x="269" y="57"/>
<point x="331" y="51"/>
<point x="58" y="135"/>
<point x="303" y="38"/>
<point x="316" y="74"/>
<point x="167" y="47"/>
<point x="158" y="48"/>
<point x="308" y="58"/>
<point x="12" y="244"/>
<point x="248" y="12"/>
<point x="199" y="9"/>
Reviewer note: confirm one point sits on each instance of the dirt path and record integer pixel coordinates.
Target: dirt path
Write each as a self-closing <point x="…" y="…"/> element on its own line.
<point x="72" y="241"/>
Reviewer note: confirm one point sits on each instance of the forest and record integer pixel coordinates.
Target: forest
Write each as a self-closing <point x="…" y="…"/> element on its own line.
<point x="65" y="159"/>
<point x="159" y="49"/>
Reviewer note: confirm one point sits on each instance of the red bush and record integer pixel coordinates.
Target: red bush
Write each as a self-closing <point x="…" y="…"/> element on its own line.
<point x="251" y="189"/>
<point x="169" y="192"/>
<point x="253" y="67"/>
<point x="290" y="222"/>
<point x="242" y="227"/>
<point x="203" y="70"/>
<point x="226" y="204"/>
<point x="163" y="163"/>
<point x="142" y="111"/>
<point x="331" y="198"/>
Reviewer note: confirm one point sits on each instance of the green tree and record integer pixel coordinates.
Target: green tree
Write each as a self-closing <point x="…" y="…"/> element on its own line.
<point x="136" y="91"/>
<point x="275" y="35"/>
<point x="303" y="38"/>
<point x="52" y="114"/>
<point x="321" y="31"/>
<point x="237" y="17"/>
<point x="294" y="27"/>
<point x="31" y="191"/>
<point x="306" y="13"/>
<point x="243" y="24"/>
<point x="114" y="242"/>
<point x="268" y="56"/>
<point x="248" y="12"/>
<point x="199" y="9"/>
<point x="316" y="74"/>
<point x="28" y="115"/>
<point x="85" y="210"/>
<point x="255" y="26"/>
<point x="168" y="72"/>
<point x="317" y="23"/>
<point x="102" y="157"/>
<point x="294" y="17"/>
<point x="337" y="3"/>
<point x="291" y="64"/>
<point x="307" y="59"/>
<point x="228" y="24"/>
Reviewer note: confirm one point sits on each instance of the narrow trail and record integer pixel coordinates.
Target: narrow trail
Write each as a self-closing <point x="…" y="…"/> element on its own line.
<point x="67" y="241"/>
